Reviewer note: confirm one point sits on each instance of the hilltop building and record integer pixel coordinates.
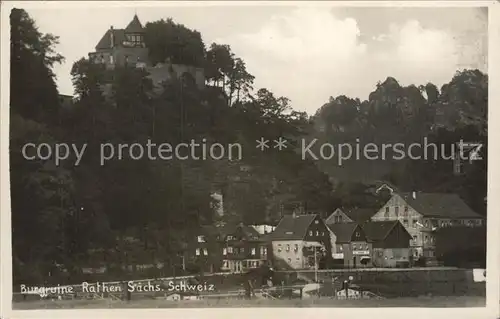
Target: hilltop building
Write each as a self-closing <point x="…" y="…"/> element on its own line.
<point x="127" y="47"/>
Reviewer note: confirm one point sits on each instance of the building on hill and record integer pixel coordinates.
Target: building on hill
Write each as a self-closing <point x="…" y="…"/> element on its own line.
<point x="301" y="241"/>
<point x="352" y="245"/>
<point x="126" y="47"/>
<point x="389" y="243"/>
<point x="423" y="213"/>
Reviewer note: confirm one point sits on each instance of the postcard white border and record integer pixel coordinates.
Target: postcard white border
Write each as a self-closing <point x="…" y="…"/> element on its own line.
<point x="492" y="310"/>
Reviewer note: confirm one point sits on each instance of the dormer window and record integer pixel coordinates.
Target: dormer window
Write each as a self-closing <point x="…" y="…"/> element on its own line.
<point x="135" y="40"/>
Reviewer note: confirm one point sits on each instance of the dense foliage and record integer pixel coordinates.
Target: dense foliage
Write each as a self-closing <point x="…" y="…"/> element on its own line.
<point x="63" y="214"/>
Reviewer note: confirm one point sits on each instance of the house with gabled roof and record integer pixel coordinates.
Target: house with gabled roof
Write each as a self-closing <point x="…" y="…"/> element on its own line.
<point x="423" y="213"/>
<point x="389" y="243"/>
<point x="301" y="241"/>
<point x="352" y="245"/>
<point x="242" y="248"/>
<point x="353" y="215"/>
<point x="127" y="47"/>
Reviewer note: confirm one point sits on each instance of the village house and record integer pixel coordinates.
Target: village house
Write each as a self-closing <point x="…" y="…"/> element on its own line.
<point x="352" y="247"/>
<point x="300" y="241"/>
<point x="242" y="248"/>
<point x="423" y="213"/>
<point x="127" y="47"/>
<point x="389" y="243"/>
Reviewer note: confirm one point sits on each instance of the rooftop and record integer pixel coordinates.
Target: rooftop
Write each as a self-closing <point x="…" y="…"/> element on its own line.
<point x="439" y="205"/>
<point x="292" y="227"/>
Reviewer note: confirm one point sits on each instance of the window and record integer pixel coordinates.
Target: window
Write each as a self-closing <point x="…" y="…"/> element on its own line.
<point x="229" y="238"/>
<point x="317" y="233"/>
<point x="414" y="239"/>
<point x="353" y="246"/>
<point x="242" y="250"/>
<point x="386" y="214"/>
<point x="230" y="250"/>
<point x="396" y="210"/>
<point x="310" y="233"/>
<point x="289" y="260"/>
<point x="224" y="251"/>
<point x="111" y="59"/>
<point x="236" y="250"/>
<point x="265" y="251"/>
<point x="414" y="223"/>
<point x="358" y="234"/>
<point x="316" y="221"/>
<point x="406" y="209"/>
<point x="205" y="251"/>
<point x="340" y="248"/>
<point x="197" y="251"/>
<point x="405" y="222"/>
<point x="426" y="238"/>
<point x="296" y="248"/>
<point x="287" y="247"/>
<point x="322" y="233"/>
<point x="279" y="247"/>
<point x="253" y="252"/>
<point x="426" y="224"/>
<point x="201" y="239"/>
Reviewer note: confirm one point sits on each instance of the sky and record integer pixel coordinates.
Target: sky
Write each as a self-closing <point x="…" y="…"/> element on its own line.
<point x="305" y="53"/>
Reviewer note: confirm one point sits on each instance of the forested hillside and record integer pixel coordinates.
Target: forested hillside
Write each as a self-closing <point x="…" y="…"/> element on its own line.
<point x="60" y="213"/>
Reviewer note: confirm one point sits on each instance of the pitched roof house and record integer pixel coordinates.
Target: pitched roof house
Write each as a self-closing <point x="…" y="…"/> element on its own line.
<point x="297" y="238"/>
<point x="439" y="205"/>
<point x="381" y="231"/>
<point x="345" y="232"/>
<point x="354" y="215"/>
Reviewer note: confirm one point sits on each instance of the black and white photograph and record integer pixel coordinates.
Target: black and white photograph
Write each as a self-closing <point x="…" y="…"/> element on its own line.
<point x="274" y="155"/>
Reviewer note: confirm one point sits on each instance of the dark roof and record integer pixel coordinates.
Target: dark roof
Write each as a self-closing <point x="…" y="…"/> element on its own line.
<point x="360" y="215"/>
<point x="343" y="231"/>
<point x="440" y="205"/>
<point x="105" y="42"/>
<point x="248" y="231"/>
<point x="292" y="227"/>
<point x="379" y="230"/>
<point x="134" y="26"/>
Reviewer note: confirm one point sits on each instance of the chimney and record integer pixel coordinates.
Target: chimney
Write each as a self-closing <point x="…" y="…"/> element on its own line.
<point x="414" y="195"/>
<point x="112" y="37"/>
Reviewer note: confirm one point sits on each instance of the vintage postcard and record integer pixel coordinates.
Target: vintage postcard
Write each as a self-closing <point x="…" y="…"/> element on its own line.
<point x="248" y="155"/>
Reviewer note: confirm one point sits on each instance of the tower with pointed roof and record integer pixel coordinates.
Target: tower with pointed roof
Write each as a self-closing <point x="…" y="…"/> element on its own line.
<point x="134" y="33"/>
